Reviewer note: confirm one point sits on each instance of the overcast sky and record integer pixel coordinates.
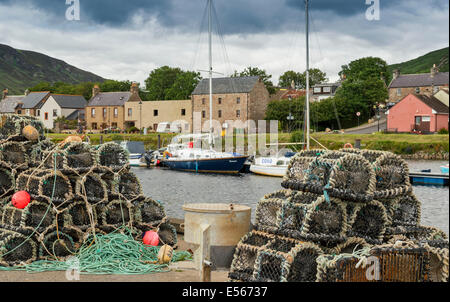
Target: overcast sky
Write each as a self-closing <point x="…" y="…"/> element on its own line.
<point x="125" y="40"/>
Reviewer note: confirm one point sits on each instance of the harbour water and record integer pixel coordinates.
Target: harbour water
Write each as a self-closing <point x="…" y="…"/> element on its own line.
<point x="173" y="189"/>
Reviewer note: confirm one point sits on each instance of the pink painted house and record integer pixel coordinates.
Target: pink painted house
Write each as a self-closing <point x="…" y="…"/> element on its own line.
<point x="418" y="113"/>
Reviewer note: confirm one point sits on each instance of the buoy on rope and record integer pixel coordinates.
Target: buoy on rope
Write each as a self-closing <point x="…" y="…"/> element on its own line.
<point x="20" y="199"/>
<point x="151" y="238"/>
<point x="165" y="254"/>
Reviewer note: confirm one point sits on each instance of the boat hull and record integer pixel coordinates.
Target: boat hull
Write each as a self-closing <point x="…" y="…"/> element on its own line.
<point x="216" y="165"/>
<point x="274" y="171"/>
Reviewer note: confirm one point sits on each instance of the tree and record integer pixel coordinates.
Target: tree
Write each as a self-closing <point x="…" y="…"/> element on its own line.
<point x="167" y="83"/>
<point x="316" y="76"/>
<point x="255" y="71"/>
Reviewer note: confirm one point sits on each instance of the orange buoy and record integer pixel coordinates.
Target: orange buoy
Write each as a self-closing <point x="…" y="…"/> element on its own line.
<point x="20" y="199"/>
<point x="30" y="133"/>
<point x="151" y="238"/>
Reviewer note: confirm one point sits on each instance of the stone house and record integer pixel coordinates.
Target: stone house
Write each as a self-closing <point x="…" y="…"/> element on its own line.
<point x="9" y="103"/>
<point x="418" y="112"/>
<point x="424" y="83"/>
<point x="234" y="99"/>
<point x="106" y="110"/>
<point x="150" y="114"/>
<point x="32" y="103"/>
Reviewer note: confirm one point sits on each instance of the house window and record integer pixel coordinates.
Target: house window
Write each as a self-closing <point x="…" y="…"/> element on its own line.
<point x="326" y="89"/>
<point x="399" y="91"/>
<point x="27" y="112"/>
<point x="220" y="113"/>
<point x="46" y="116"/>
<point x="317" y="90"/>
<point x="38" y="112"/>
<point x="116" y="112"/>
<point x="130" y="112"/>
<point x="417" y="90"/>
<point x="155" y="112"/>
<point x="183" y="112"/>
<point x="105" y="111"/>
<point x="55" y="112"/>
<point x="19" y="111"/>
<point x="220" y="101"/>
<point x="426" y="118"/>
<point x="94" y="126"/>
<point x="238" y="100"/>
<point x="203" y="101"/>
<point x="203" y="114"/>
<point x="114" y="125"/>
<point x="238" y="113"/>
<point x="93" y="112"/>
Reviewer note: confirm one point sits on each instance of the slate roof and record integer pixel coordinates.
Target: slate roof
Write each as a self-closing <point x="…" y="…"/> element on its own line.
<point x="74" y="115"/>
<point x="226" y="85"/>
<point x="34" y="100"/>
<point x="433" y="103"/>
<point x="110" y="99"/>
<point x="70" y="101"/>
<point x="9" y="104"/>
<point x="420" y="80"/>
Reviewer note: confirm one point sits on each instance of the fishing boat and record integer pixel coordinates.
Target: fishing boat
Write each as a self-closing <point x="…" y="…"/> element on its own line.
<point x="275" y="166"/>
<point x="444" y="169"/>
<point x="138" y="156"/>
<point x="182" y="155"/>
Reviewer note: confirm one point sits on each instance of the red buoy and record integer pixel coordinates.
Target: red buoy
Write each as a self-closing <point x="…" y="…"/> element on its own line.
<point x="20" y="199"/>
<point x="151" y="238"/>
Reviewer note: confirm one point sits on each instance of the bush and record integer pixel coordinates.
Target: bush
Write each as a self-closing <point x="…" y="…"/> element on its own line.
<point x="133" y="130"/>
<point x="296" y="136"/>
<point x="443" y="131"/>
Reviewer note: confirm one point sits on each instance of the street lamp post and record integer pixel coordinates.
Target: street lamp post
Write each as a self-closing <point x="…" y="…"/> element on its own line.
<point x="140" y="116"/>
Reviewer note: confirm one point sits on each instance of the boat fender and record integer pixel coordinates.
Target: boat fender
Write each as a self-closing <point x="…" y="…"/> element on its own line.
<point x="165" y="254"/>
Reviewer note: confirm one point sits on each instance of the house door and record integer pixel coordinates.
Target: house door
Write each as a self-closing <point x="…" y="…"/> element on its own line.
<point x="422" y="123"/>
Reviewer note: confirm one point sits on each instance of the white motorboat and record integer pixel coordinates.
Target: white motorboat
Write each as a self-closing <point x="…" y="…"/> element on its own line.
<point x="137" y="154"/>
<point x="275" y="166"/>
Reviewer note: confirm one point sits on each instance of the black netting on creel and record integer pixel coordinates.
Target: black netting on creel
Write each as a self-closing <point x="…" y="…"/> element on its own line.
<point x="148" y="211"/>
<point x="38" y="214"/>
<point x="407" y="211"/>
<point x="54" y="160"/>
<point x="55" y="186"/>
<point x="7" y="181"/>
<point x="269" y="266"/>
<point x="77" y="214"/>
<point x="14" y="154"/>
<point x="11" y="216"/>
<point x="79" y="156"/>
<point x="243" y="264"/>
<point x="300" y="162"/>
<point x="369" y="222"/>
<point x="39" y="150"/>
<point x="11" y="125"/>
<point x="115" y="213"/>
<point x="292" y="216"/>
<point x="304" y="266"/>
<point x="303" y="197"/>
<point x="92" y="187"/>
<point x="267" y="213"/>
<point x="113" y="156"/>
<point x="167" y="234"/>
<point x="128" y="185"/>
<point x="280" y="194"/>
<point x="392" y="176"/>
<point x="326" y="219"/>
<point x="282" y="244"/>
<point x="57" y="243"/>
<point x="15" y="249"/>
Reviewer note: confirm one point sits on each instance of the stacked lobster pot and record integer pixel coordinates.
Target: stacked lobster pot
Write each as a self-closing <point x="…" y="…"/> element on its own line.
<point x="339" y="213"/>
<point x="76" y="190"/>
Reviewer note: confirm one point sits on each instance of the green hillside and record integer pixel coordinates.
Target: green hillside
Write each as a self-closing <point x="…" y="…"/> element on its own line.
<point x="422" y="64"/>
<point x="20" y="69"/>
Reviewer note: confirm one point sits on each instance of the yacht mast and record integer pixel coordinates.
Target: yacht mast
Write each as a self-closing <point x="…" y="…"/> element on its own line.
<point x="210" y="74"/>
<point x="307" y="79"/>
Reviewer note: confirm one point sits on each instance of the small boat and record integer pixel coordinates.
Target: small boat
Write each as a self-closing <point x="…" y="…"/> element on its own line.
<point x="275" y="166"/>
<point x="181" y="155"/>
<point x="138" y="156"/>
<point x="444" y="169"/>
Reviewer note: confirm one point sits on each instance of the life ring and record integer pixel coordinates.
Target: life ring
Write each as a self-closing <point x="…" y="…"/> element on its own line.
<point x="167" y="154"/>
<point x="348" y="146"/>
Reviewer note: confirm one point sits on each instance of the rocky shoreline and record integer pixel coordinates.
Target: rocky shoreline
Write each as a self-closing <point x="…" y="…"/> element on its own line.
<point x="426" y="156"/>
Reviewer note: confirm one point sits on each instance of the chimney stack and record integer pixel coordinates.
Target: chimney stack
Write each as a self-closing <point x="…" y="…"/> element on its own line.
<point x="95" y="90"/>
<point x="434" y="70"/>
<point x="27" y="92"/>
<point x="134" y="88"/>
<point x="396" y="73"/>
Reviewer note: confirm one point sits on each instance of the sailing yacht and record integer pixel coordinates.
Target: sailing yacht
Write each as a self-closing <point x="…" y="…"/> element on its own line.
<point x="277" y="166"/>
<point x="182" y="155"/>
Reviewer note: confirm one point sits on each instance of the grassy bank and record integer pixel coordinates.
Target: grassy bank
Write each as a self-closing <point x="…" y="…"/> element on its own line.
<point x="402" y="144"/>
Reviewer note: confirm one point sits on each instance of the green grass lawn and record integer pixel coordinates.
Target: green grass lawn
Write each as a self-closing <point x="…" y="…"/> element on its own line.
<point x="397" y="143"/>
